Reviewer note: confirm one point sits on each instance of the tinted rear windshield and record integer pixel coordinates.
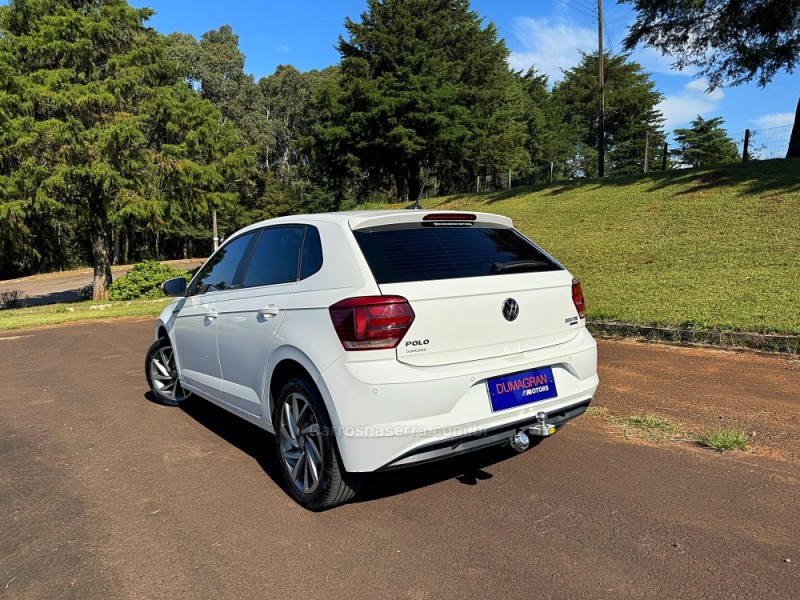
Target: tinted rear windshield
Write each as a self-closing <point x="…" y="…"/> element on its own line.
<point x="418" y="253"/>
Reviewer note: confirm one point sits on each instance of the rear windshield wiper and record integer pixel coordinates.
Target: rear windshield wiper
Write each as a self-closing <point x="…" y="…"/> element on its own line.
<point x="518" y="265"/>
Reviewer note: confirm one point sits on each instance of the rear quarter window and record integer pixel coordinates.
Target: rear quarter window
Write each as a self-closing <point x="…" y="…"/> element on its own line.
<point x="398" y="254"/>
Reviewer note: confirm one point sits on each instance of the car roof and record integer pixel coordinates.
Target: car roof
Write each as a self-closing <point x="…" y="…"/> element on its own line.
<point x="357" y="219"/>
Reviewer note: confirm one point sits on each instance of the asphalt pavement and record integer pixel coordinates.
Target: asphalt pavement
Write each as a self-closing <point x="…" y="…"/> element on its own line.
<point x="104" y="494"/>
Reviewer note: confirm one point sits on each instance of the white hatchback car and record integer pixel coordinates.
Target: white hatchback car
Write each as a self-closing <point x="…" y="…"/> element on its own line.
<point x="373" y="340"/>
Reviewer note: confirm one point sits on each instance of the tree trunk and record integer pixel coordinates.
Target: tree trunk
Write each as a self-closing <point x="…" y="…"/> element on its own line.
<point x="101" y="261"/>
<point x="414" y="182"/>
<point x="414" y="188"/>
<point x="115" y="260"/>
<point x="400" y="184"/>
<point x="126" y="248"/>
<point x="794" y="140"/>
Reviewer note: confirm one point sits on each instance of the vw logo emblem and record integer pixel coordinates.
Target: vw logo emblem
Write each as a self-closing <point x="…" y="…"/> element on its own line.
<point x="510" y="309"/>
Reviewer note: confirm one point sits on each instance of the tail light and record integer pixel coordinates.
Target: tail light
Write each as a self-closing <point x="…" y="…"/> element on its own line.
<point x="577" y="298"/>
<point x="371" y="322"/>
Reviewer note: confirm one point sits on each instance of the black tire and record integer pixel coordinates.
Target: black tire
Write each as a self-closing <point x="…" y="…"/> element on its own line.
<point x="161" y="372"/>
<point x="307" y="445"/>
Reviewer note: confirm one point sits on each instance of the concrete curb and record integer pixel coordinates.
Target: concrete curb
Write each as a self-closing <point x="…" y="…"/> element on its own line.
<point x="768" y="342"/>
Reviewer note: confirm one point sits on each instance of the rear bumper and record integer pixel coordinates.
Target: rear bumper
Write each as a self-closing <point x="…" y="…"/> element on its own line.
<point x="482" y="439"/>
<point x="388" y="414"/>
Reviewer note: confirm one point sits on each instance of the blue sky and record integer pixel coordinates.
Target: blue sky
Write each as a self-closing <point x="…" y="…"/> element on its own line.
<point x="545" y="33"/>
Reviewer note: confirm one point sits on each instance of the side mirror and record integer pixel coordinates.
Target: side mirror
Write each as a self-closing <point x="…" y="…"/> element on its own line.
<point x="175" y="286"/>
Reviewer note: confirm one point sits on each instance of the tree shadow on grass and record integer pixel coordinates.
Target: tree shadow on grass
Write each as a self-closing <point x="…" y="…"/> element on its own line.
<point x="552" y="189"/>
<point x="752" y="178"/>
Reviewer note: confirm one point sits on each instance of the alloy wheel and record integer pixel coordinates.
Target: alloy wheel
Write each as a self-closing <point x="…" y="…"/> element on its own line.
<point x="301" y="443"/>
<point x="164" y="374"/>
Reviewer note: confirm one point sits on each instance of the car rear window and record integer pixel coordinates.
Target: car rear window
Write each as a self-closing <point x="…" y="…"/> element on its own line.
<point x="419" y="253"/>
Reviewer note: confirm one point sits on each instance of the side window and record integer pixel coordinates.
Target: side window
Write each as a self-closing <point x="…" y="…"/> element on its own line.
<point x="311" y="261"/>
<point x="219" y="272"/>
<point x="276" y="257"/>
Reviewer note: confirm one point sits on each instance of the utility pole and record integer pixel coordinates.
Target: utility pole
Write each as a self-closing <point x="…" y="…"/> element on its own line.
<point x="216" y="237"/>
<point x="601" y="149"/>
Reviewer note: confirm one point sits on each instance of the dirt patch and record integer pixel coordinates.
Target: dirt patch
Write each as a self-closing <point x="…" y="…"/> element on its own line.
<point x="700" y="390"/>
<point x="711" y="179"/>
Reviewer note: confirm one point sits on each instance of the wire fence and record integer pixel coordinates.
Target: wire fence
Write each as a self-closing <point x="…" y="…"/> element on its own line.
<point x="757" y="144"/>
<point x="763" y="144"/>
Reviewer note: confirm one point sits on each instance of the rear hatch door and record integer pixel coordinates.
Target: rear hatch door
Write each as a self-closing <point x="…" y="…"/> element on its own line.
<point x="478" y="291"/>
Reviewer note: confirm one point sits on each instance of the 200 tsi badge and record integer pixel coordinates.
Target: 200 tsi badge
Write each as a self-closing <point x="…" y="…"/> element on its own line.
<point x="518" y="389"/>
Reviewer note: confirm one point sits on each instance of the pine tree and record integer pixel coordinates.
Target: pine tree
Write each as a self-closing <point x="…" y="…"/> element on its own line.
<point x="631" y="112"/>
<point x="425" y="88"/>
<point x="550" y="135"/>
<point x="705" y="143"/>
<point x="97" y="121"/>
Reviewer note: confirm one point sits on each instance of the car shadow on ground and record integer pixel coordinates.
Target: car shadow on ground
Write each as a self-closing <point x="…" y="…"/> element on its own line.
<point x="248" y="438"/>
<point x="468" y="469"/>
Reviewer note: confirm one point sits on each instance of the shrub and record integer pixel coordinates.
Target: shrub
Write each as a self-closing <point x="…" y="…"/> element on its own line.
<point x="13" y="299"/>
<point x="725" y="439"/>
<point x="86" y="292"/>
<point x="143" y="281"/>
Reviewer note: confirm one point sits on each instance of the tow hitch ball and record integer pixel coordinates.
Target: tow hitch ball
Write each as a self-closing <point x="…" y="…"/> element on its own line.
<point x="541" y="428"/>
<point x="520" y="442"/>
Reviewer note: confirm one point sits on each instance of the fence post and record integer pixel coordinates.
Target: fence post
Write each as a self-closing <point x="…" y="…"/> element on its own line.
<point x="551" y="172"/>
<point x="664" y="158"/>
<point x="746" y="145"/>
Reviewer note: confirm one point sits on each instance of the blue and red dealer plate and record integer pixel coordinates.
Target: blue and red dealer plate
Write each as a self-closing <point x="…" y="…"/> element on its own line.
<point x="523" y="388"/>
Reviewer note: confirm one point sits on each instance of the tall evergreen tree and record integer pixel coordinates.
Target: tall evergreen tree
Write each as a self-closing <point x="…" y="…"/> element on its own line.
<point x="97" y="121"/>
<point x="631" y="112"/>
<point x="705" y="143"/>
<point x="550" y="135"/>
<point x="425" y="89"/>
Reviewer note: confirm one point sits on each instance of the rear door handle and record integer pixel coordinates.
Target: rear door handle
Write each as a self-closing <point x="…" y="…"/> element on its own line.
<point x="269" y="311"/>
<point x="212" y="314"/>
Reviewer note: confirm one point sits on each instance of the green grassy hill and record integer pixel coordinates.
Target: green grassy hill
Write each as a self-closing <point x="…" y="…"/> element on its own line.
<point x="706" y="248"/>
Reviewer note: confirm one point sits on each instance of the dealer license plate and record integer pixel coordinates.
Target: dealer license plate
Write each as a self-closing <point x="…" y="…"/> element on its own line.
<point x="523" y="388"/>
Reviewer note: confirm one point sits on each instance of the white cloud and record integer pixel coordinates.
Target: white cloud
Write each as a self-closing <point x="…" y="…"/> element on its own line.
<point x="553" y="45"/>
<point x="681" y="108"/>
<point x="283" y="48"/>
<point x="774" y="120"/>
<point x="701" y="85"/>
<point x="549" y="45"/>
<point x="698" y="85"/>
